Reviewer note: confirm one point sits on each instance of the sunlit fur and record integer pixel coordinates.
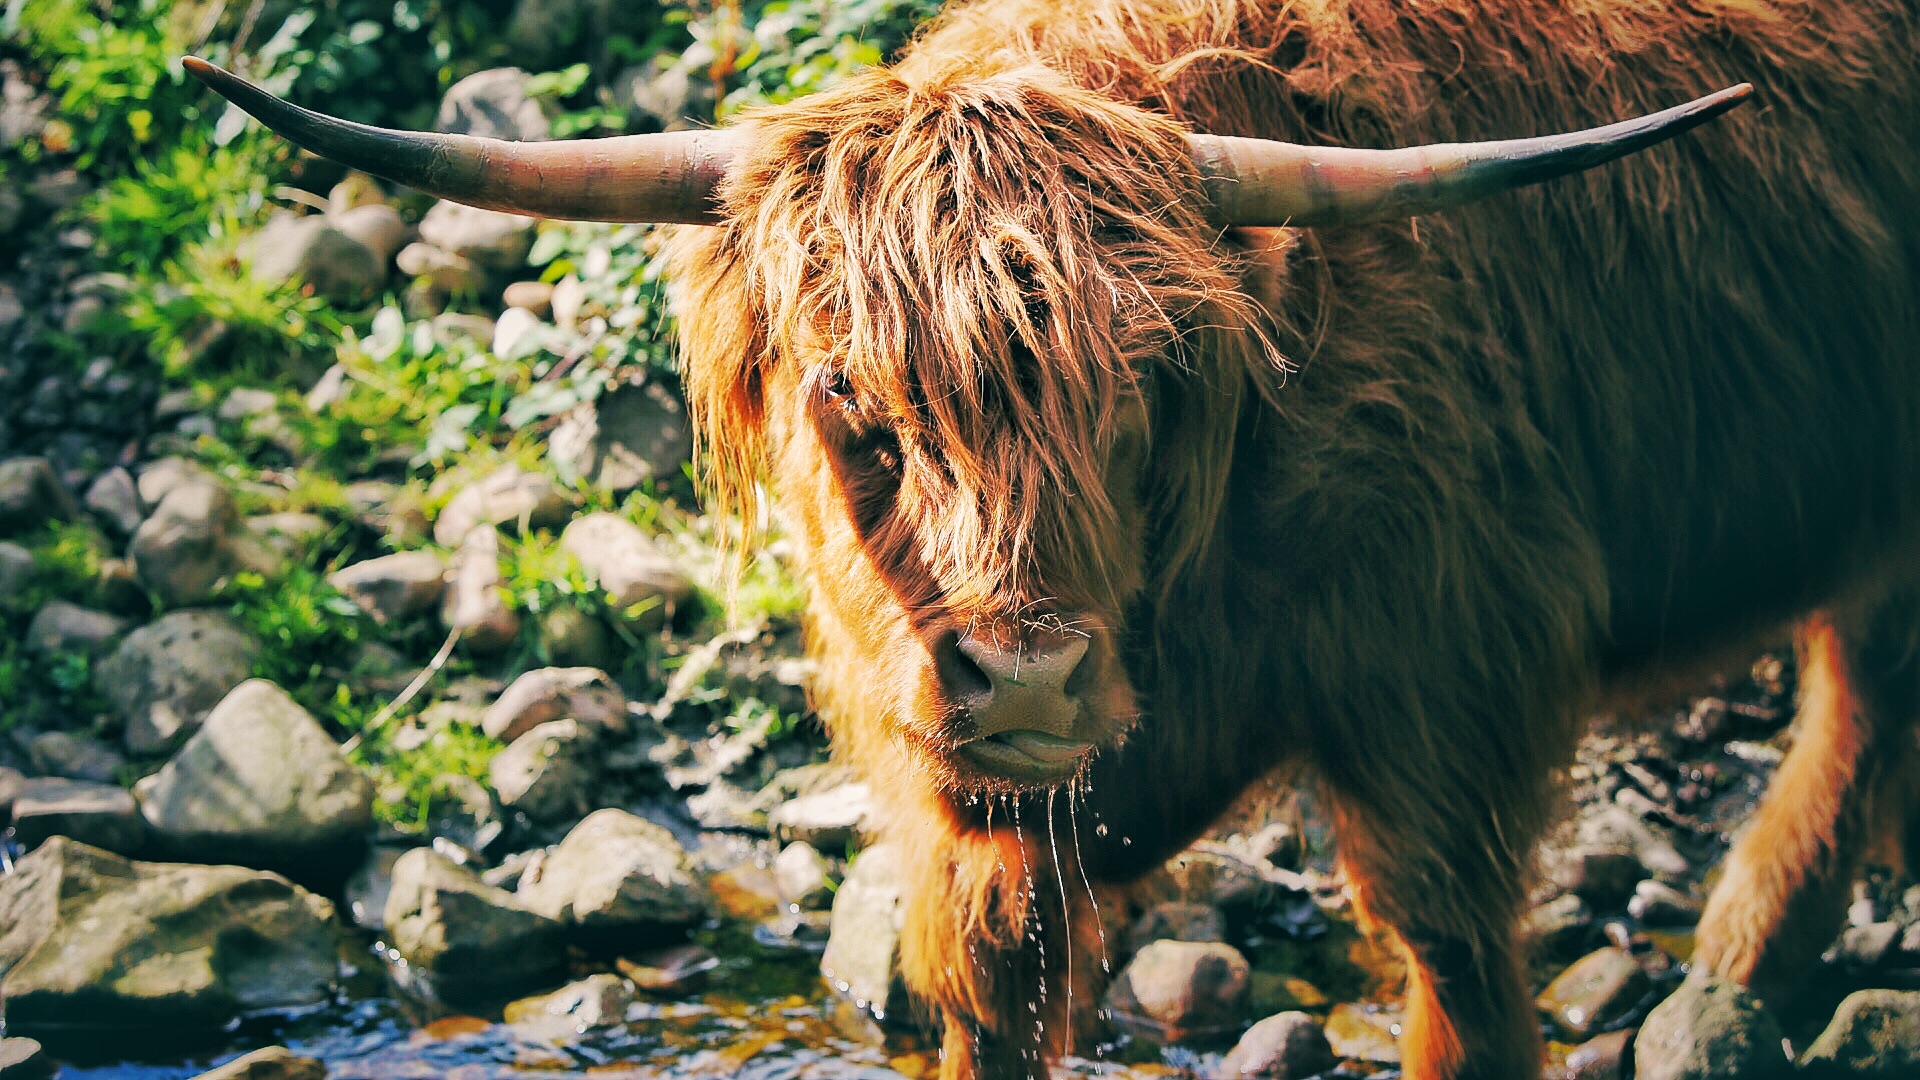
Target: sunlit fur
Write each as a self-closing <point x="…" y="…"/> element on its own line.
<point x="1391" y="505"/>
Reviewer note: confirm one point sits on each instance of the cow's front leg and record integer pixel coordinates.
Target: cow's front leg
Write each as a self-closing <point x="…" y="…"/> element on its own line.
<point x="1442" y="862"/>
<point x="1003" y="936"/>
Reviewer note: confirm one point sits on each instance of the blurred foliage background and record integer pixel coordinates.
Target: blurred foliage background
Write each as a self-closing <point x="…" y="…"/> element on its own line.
<point x="137" y="212"/>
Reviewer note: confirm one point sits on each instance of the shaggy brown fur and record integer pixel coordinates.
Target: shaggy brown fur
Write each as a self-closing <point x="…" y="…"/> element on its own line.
<point x="1393" y="505"/>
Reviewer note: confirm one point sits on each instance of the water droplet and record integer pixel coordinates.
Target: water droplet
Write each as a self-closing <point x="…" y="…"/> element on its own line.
<point x="1100" y="829"/>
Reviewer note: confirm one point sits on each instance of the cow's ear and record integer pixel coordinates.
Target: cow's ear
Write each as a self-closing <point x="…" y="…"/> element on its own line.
<point x="723" y="350"/>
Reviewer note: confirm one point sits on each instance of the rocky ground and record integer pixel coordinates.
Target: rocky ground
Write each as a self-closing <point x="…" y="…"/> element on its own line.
<point x="292" y="732"/>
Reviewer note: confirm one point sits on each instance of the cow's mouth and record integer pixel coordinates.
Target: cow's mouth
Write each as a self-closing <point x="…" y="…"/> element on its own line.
<point x="1026" y="756"/>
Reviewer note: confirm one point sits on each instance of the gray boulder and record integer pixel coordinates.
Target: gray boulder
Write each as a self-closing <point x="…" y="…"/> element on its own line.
<point x="310" y="250"/>
<point x="16" y="570"/>
<point x="103" y="815"/>
<point x="376" y="226"/>
<point x="616" y="876"/>
<point x="804" y="875"/>
<point x="393" y="588"/>
<point x="547" y="772"/>
<point x="86" y="934"/>
<point x="165" y="677"/>
<point x="181" y="550"/>
<point x="469" y="939"/>
<point x="77" y="757"/>
<point x="475" y="606"/>
<point x="862" y="960"/>
<point x="831" y="820"/>
<point x="1182" y="991"/>
<point x="596" y="1001"/>
<point x="493" y="104"/>
<point x="508" y="497"/>
<point x="626" y="437"/>
<point x="1875" y="1034"/>
<point x="31" y="495"/>
<point x="640" y="578"/>
<point x="1710" y="1029"/>
<point x="584" y="694"/>
<point x="63" y="629"/>
<point x="260" y="784"/>
<point x="493" y="240"/>
<point x="1289" y="1046"/>
<point x="115" y="501"/>
<point x="11" y="781"/>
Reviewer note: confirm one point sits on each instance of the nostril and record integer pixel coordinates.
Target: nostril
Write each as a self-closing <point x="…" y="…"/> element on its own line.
<point x="959" y="675"/>
<point x="1081" y="675"/>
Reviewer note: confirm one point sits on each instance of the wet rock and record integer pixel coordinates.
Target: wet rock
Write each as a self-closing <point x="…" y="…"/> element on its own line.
<point x="804" y="876"/>
<point x="165" y="677"/>
<point x="639" y="576"/>
<point x="470" y="940"/>
<point x="595" y="1001"/>
<point x="547" y="772"/>
<point x="245" y="401"/>
<point x="391" y="510"/>
<point x="393" y="588"/>
<point x="84" y="933"/>
<point x="830" y="820"/>
<point x="31" y="496"/>
<point x="1290" y="1046"/>
<point x="1181" y="991"/>
<point x="103" y="815"/>
<point x="1597" y="990"/>
<point x="1604" y="1057"/>
<point x="62" y="629"/>
<point x="1614" y="828"/>
<point x="626" y="437"/>
<point x="747" y="893"/>
<point x="16" y="570"/>
<point x="1363" y="1033"/>
<point x="494" y="104"/>
<point x="76" y="757"/>
<point x="262" y="784"/>
<point x="1177" y="921"/>
<point x="475" y="606"/>
<point x="375" y="226"/>
<point x="584" y="694"/>
<point x="1709" y="1029"/>
<point x="268" y="1063"/>
<point x="23" y="1059"/>
<point x="1658" y="904"/>
<point x="115" y="502"/>
<point x="1559" y="927"/>
<point x="672" y="971"/>
<point x="493" y="240"/>
<point x="618" y="878"/>
<point x="1874" y="1034"/>
<point x="1863" y="947"/>
<point x="181" y="550"/>
<point x="863" y="945"/>
<point x="1603" y="877"/>
<point x="509" y="497"/>
<point x="310" y="250"/>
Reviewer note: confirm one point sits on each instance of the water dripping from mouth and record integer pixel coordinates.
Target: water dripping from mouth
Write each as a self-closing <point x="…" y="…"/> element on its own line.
<point x="1080" y="864"/>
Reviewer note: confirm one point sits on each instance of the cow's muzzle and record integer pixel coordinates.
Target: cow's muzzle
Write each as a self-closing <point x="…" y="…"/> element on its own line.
<point x="1021" y="714"/>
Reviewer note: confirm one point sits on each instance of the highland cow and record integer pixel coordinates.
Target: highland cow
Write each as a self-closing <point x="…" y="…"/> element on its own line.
<point x="1132" y="458"/>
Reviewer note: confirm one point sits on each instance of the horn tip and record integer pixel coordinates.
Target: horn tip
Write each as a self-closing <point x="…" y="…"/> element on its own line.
<point x="199" y="68"/>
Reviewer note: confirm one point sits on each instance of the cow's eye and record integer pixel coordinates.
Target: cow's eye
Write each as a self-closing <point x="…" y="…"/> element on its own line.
<point x="838" y="391"/>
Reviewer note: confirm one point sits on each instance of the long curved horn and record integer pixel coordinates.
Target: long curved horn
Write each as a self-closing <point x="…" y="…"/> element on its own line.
<point x="1258" y="182"/>
<point x="666" y="177"/>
